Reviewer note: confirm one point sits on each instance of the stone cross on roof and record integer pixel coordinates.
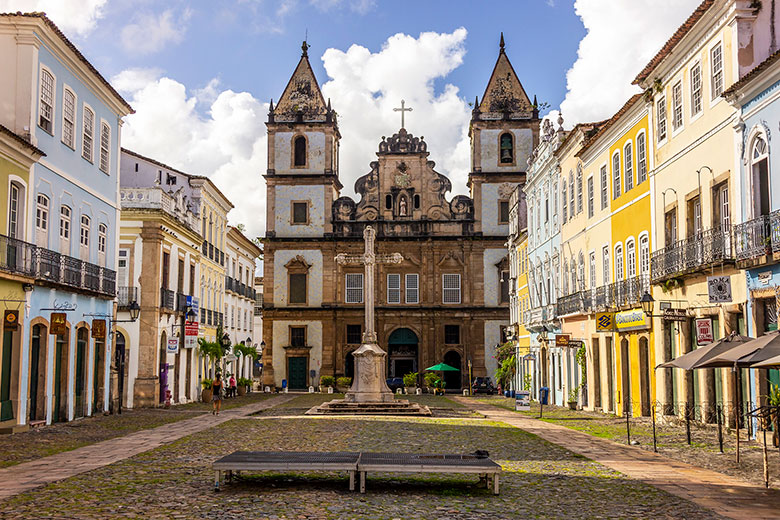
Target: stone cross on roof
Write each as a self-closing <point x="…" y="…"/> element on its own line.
<point x="402" y="110"/>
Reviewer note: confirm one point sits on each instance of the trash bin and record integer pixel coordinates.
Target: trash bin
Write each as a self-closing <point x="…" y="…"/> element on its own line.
<point x="506" y="393"/>
<point x="543" y="393"/>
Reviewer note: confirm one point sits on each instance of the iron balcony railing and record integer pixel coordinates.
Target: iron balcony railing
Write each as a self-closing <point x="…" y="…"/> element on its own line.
<point x="50" y="266"/>
<point x="757" y="237"/>
<point x="692" y="254"/>
<point x="16" y="256"/>
<point x="181" y="302"/>
<point x="578" y="302"/>
<point x="628" y="292"/>
<point x="125" y="296"/>
<point x="228" y="283"/>
<point x="167" y="299"/>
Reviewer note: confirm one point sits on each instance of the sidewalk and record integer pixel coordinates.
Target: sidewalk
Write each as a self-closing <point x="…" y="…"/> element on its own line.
<point x="723" y="494"/>
<point x="29" y="475"/>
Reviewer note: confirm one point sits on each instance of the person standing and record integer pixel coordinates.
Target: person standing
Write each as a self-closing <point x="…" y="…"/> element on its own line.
<point x="233" y="386"/>
<point x="217" y="388"/>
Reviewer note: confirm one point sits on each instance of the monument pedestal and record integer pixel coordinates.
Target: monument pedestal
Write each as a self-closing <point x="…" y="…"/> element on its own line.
<point x="369" y="385"/>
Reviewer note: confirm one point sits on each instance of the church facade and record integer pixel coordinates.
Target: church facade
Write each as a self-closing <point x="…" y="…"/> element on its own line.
<point x="448" y="300"/>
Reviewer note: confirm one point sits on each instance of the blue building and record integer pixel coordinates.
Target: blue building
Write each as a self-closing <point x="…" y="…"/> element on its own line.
<point x="54" y="98"/>
<point x="757" y="236"/>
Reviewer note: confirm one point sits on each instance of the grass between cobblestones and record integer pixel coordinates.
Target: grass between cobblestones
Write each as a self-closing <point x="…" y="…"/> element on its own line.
<point x="540" y="480"/>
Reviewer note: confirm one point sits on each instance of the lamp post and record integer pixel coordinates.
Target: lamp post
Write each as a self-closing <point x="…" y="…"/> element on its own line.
<point x="119" y="357"/>
<point x="260" y="355"/>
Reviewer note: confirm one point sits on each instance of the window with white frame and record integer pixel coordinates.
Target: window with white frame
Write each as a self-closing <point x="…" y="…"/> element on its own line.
<point x="631" y="258"/>
<point x="604" y="188"/>
<point x="716" y="73"/>
<point x="677" y="105"/>
<point x="628" y="166"/>
<point x="87" y="134"/>
<point x="661" y="118"/>
<point x="573" y="267"/>
<point x="412" y="288"/>
<point x="65" y="222"/>
<point x="605" y="264"/>
<point x="42" y="212"/>
<point x="696" y="89"/>
<point x="84" y="240"/>
<point x="571" y="194"/>
<point x="565" y="202"/>
<point x="46" y="108"/>
<point x="354" y="287"/>
<point x="590" y="196"/>
<point x="14" y="199"/>
<point x="393" y="288"/>
<point x="68" y="118"/>
<point x="641" y="158"/>
<point x="102" y="235"/>
<point x="105" y="147"/>
<point x="581" y="266"/>
<point x="644" y="254"/>
<point x="451" y="288"/>
<point x="592" y="261"/>
<point x="565" y="277"/>
<point x="579" y="190"/>
<point x="555" y="202"/>
<point x="616" y="188"/>
<point x="619" y="274"/>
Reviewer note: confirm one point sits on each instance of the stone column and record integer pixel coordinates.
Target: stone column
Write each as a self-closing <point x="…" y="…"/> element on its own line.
<point x="146" y="388"/>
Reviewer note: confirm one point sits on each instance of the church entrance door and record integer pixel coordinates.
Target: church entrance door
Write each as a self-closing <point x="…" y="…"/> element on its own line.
<point x="452" y="380"/>
<point x="296" y="373"/>
<point x="402" y="353"/>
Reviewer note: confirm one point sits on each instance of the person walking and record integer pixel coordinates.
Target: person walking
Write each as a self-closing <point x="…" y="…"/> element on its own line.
<point x="217" y="388"/>
<point x="233" y="387"/>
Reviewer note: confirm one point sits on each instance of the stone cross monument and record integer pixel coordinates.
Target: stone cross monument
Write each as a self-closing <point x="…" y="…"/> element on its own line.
<point x="369" y="385"/>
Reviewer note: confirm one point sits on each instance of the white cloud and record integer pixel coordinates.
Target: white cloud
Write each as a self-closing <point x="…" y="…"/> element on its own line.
<point x="621" y="38"/>
<point x="77" y="17"/>
<point x="131" y="80"/>
<point x="149" y="33"/>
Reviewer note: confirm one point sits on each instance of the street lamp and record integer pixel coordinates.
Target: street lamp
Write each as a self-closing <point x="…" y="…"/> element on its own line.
<point x="190" y="315"/>
<point x="647" y="302"/>
<point x="135" y="311"/>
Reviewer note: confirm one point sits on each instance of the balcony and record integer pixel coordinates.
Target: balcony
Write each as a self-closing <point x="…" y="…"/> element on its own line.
<point x="757" y="238"/>
<point x="157" y="199"/>
<point x="53" y="268"/>
<point x="575" y="303"/>
<point x="17" y="257"/>
<point x="693" y="254"/>
<point x="539" y="318"/>
<point x="125" y="295"/>
<point x="167" y="299"/>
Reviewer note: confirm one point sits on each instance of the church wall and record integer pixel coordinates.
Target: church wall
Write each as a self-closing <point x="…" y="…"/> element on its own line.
<point x="314" y="286"/>
<point x="490" y="258"/>
<point x="315" y="153"/>
<point x="489" y="149"/>
<point x="492" y="338"/>
<point x="314" y="195"/>
<point x="490" y="225"/>
<point x="281" y="339"/>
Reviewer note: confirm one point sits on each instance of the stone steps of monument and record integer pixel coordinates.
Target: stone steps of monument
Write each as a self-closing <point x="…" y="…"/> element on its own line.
<point x="389" y="408"/>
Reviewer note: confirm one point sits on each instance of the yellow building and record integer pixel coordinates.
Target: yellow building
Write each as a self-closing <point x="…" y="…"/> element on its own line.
<point x="16" y="267"/>
<point x="519" y="299"/>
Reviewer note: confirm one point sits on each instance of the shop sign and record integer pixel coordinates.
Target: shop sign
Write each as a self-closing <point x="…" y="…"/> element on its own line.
<point x="765" y="277"/>
<point x="522" y="401"/>
<point x="10" y="320"/>
<point x="173" y="345"/>
<point x="193" y="303"/>
<point x="576" y="343"/>
<point x="605" y="321"/>
<point x="635" y="319"/>
<point x="719" y="288"/>
<point x="704" y="334"/>
<point x="99" y="329"/>
<point x="675" y="315"/>
<point x="562" y="340"/>
<point x="59" y="323"/>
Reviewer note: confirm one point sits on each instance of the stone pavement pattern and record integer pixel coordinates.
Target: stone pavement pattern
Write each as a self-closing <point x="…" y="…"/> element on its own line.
<point x="29" y="475"/>
<point x="540" y="480"/>
<point x="728" y="496"/>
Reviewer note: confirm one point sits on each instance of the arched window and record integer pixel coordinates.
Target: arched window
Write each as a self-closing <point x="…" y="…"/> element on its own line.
<point x="68" y="118"/>
<point x="631" y="258"/>
<point x="84" y="230"/>
<point x="573" y="268"/>
<point x="565" y="277"/>
<point x="416" y="202"/>
<point x="579" y="189"/>
<point x="616" y="175"/>
<point x="300" y="151"/>
<point x="644" y="255"/>
<point x="759" y="161"/>
<point x="582" y="272"/>
<point x="15" y="209"/>
<point x="641" y="159"/>
<point x="388" y="202"/>
<point x="42" y="213"/>
<point x="628" y="165"/>
<point x="507" y="152"/>
<point x="46" y="107"/>
<point x="619" y="263"/>
<point x="65" y="213"/>
<point x="102" y="238"/>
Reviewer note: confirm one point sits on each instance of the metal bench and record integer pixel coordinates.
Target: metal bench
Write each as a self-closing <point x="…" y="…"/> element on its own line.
<point x="353" y="462"/>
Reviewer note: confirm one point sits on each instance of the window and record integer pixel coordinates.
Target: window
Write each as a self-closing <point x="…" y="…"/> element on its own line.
<point x="299" y="158"/>
<point x="716" y="78"/>
<point x="555" y="200"/>
<point x="694" y="217"/>
<point x="503" y="212"/>
<point x="102" y="232"/>
<point x="416" y="202"/>
<point x="13" y="210"/>
<point x="696" y="89"/>
<point x="507" y="149"/>
<point x="641" y="159"/>
<point x="84" y="231"/>
<point x="605" y="265"/>
<point x="581" y="271"/>
<point x="579" y="190"/>
<point x="628" y="165"/>
<point x="592" y="261"/>
<point x="452" y="334"/>
<point x="105" y="146"/>
<point x="677" y="107"/>
<point x="388" y="201"/>
<point x="87" y="134"/>
<point x="565" y="202"/>
<point x="503" y="281"/>
<point x="604" y="188"/>
<point x="451" y="288"/>
<point x="616" y="175"/>
<point x="298" y="288"/>
<point x="300" y="213"/>
<point x="565" y="277"/>
<point x="68" y="118"/>
<point x="46" y="108"/>
<point x="393" y="288"/>
<point x="573" y="267"/>
<point x="631" y="258"/>
<point x="759" y="177"/>
<point x="619" y="262"/>
<point x="723" y="199"/>
<point x="644" y="255"/>
<point x="297" y="336"/>
<point x="590" y="197"/>
<point x="42" y="213"/>
<point x="670" y="227"/>
<point x="412" y="288"/>
<point x="354" y="334"/>
<point x="65" y="222"/>
<point x="354" y="288"/>
<point x="661" y="123"/>
<point x="571" y="194"/>
<point x="546" y="208"/>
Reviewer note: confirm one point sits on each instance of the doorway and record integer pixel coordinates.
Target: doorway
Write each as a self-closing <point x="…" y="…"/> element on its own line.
<point x="121" y="364"/>
<point x="82" y="338"/>
<point x="99" y="377"/>
<point x="188" y="375"/>
<point x="610" y="375"/>
<point x="163" y="366"/>
<point x="176" y="375"/>
<point x="453" y="380"/>
<point x="6" y="405"/>
<point x="625" y="376"/>
<point x="349" y="365"/>
<point x="296" y="373"/>
<point x="38" y="373"/>
<point x="61" y="354"/>
<point x="596" y="373"/>
<point x="644" y="376"/>
<point x="402" y="353"/>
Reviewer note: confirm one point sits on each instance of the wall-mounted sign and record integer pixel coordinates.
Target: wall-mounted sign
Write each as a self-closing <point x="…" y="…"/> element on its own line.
<point x="192" y="302"/>
<point x="704" y="333"/>
<point x="173" y="345"/>
<point x="765" y="277"/>
<point x="522" y="401"/>
<point x="605" y="321"/>
<point x="675" y="315"/>
<point x="59" y="323"/>
<point x="576" y="343"/>
<point x="562" y="340"/>
<point x="635" y="319"/>
<point x="10" y="320"/>
<point x="719" y="288"/>
<point x="99" y="329"/>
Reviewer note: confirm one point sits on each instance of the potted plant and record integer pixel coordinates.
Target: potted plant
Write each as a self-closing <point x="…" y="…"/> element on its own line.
<point x="343" y="384"/>
<point x="327" y="382"/>
<point x="573" y="395"/>
<point x="243" y="384"/>
<point x="206" y="394"/>
<point x="430" y="381"/>
<point x="410" y="382"/>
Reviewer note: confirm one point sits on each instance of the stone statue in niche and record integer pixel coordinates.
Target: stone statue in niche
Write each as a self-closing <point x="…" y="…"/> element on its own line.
<point x="402" y="207"/>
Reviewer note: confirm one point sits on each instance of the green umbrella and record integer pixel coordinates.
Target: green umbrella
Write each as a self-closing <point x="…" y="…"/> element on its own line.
<point x="442" y="367"/>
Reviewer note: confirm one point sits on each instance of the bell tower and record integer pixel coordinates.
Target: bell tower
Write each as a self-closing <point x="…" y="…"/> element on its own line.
<point x="504" y="131"/>
<point x="303" y="146"/>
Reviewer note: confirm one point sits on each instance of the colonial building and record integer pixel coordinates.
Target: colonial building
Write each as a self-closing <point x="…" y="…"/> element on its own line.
<point x="448" y="301"/>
